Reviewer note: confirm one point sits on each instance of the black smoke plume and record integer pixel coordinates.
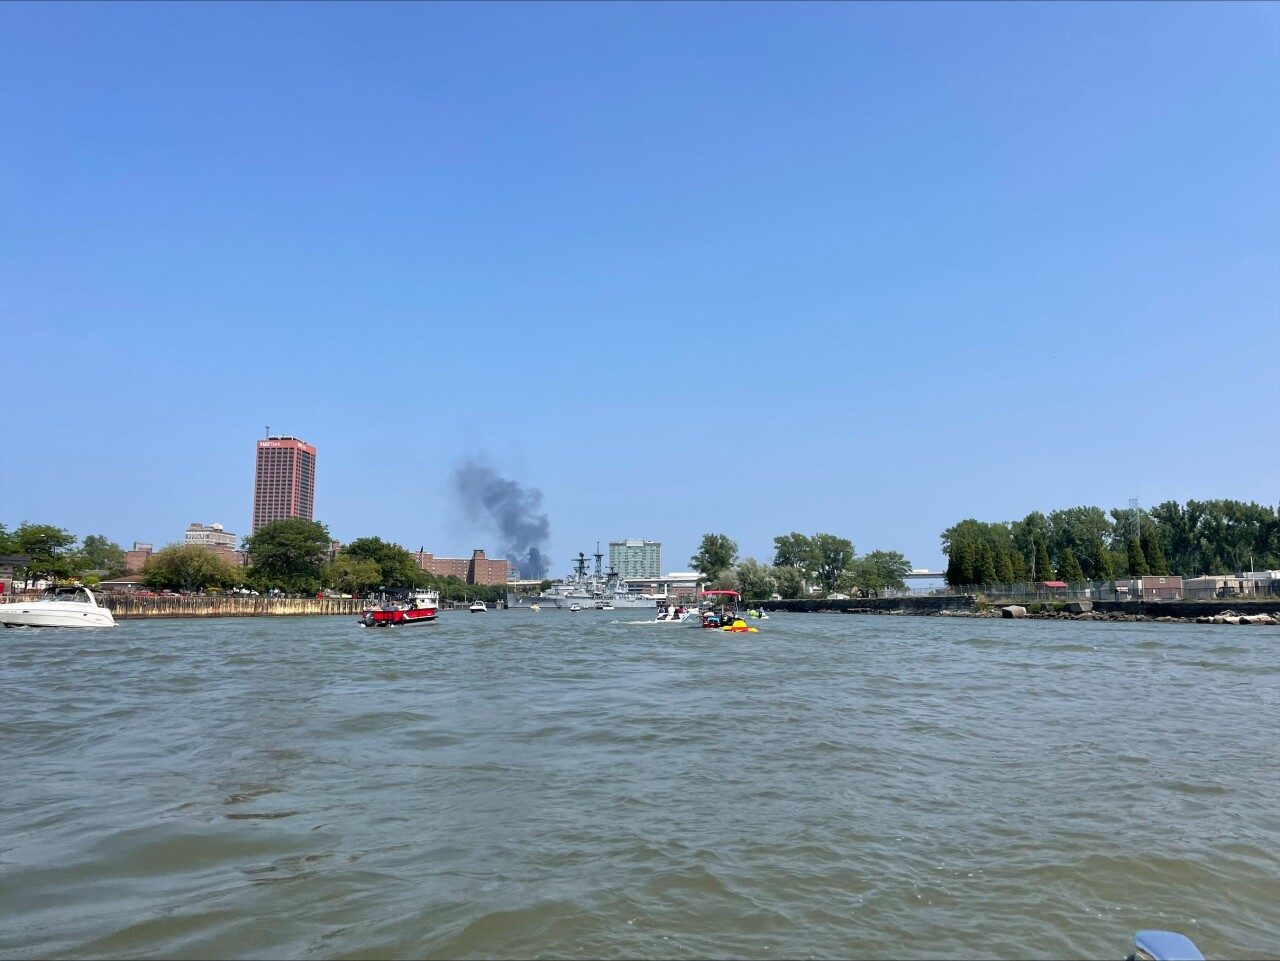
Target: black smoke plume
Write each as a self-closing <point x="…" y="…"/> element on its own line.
<point x="511" y="510"/>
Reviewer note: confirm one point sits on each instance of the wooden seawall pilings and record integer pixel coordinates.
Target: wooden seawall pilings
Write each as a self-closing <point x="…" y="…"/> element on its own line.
<point x="127" y="607"/>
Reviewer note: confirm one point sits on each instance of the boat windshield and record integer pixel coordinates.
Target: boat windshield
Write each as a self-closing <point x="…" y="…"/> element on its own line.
<point x="67" y="594"/>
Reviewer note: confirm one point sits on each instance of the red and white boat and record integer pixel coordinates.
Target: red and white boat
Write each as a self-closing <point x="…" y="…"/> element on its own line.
<point x="420" y="607"/>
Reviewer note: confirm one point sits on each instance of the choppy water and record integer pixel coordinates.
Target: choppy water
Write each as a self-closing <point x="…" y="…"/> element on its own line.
<point x="563" y="785"/>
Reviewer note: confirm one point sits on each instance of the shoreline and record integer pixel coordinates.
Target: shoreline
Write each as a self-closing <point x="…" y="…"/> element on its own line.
<point x="1264" y="612"/>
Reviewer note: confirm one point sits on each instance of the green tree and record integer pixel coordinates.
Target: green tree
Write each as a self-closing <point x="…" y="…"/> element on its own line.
<point x="1179" y="536"/>
<point x="50" y="550"/>
<point x="833" y="555"/>
<point x="1043" y="569"/>
<point x="969" y="552"/>
<point x="1150" y="544"/>
<point x="1004" y="568"/>
<point x="1137" y="561"/>
<point x="794" y="550"/>
<point x="955" y="568"/>
<point x="758" y="580"/>
<point x="963" y="545"/>
<point x="1071" y="572"/>
<point x="790" y="581"/>
<point x="8" y="546"/>
<point x="289" y="554"/>
<point x="715" y="557"/>
<point x="99" y="554"/>
<point x="728" y="580"/>
<point x="188" y="567"/>
<point x="1026" y="534"/>
<point x="1077" y="528"/>
<point x="352" y="575"/>
<point x="1018" y="564"/>
<point x="1235" y="536"/>
<point x="1102" y="569"/>
<point x="396" y="566"/>
<point x="880" y="571"/>
<point x="987" y="573"/>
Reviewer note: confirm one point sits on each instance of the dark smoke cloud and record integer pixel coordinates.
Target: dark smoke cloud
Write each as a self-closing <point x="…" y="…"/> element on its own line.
<point x="511" y="510"/>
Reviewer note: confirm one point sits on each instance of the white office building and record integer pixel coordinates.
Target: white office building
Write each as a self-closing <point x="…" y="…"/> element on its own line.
<point x="636" y="558"/>
<point x="211" y="536"/>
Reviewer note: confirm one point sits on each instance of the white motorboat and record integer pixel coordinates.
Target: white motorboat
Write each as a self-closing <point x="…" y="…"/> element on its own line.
<point x="676" y="615"/>
<point x="574" y="608"/>
<point x="63" y="607"/>
<point x="479" y="607"/>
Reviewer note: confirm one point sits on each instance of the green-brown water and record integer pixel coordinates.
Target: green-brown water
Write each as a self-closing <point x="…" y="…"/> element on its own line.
<point x="571" y="785"/>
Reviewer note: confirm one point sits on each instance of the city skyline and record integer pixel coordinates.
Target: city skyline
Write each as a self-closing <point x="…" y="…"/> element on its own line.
<point x="858" y="269"/>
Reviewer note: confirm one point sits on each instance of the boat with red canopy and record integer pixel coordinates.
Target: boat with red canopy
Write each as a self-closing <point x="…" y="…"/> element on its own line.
<point x="726" y="617"/>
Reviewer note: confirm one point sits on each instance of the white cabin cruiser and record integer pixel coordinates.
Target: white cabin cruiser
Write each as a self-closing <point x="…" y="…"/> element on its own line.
<point x="63" y="607"/>
<point x="479" y="607"/>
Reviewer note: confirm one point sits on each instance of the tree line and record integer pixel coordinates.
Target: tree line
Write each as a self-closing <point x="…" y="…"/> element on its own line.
<point x="823" y="561"/>
<point x="288" y="555"/>
<point x="294" y="556"/>
<point x="1088" y="544"/>
<point x="57" y="555"/>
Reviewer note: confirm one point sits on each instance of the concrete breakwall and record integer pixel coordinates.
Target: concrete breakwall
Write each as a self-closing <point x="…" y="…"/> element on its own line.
<point x="937" y="604"/>
<point x="1153" y="609"/>
<point x="925" y="604"/>
<point x="128" y="606"/>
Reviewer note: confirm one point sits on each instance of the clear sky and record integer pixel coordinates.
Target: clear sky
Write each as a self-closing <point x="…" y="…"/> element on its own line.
<point x="850" y="268"/>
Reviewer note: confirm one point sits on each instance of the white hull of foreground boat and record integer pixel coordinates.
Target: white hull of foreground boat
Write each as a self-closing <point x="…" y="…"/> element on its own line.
<point x="82" y="611"/>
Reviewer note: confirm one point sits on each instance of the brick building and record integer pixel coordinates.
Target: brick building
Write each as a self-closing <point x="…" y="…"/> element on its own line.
<point x="284" y="483"/>
<point x="134" y="559"/>
<point x="476" y="569"/>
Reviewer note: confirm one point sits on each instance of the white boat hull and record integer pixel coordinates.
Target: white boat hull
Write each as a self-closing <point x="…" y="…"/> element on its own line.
<point x="41" y="615"/>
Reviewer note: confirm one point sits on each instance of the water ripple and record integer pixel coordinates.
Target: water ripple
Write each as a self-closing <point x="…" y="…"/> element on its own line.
<point x="556" y="786"/>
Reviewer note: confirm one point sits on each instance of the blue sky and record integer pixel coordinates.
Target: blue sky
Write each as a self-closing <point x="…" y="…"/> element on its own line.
<point x="860" y="269"/>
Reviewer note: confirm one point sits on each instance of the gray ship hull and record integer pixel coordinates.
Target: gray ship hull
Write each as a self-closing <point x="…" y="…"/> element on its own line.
<point x="551" y="602"/>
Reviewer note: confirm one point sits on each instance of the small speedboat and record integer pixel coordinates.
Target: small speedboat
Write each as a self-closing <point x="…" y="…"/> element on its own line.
<point x="534" y="607"/>
<point x="575" y="607"/>
<point x="479" y="607"/>
<point x="673" y="615"/>
<point x="62" y="607"/>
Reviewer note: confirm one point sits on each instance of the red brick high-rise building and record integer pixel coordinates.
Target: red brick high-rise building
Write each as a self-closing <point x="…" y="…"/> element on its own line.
<point x="285" y="483"/>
